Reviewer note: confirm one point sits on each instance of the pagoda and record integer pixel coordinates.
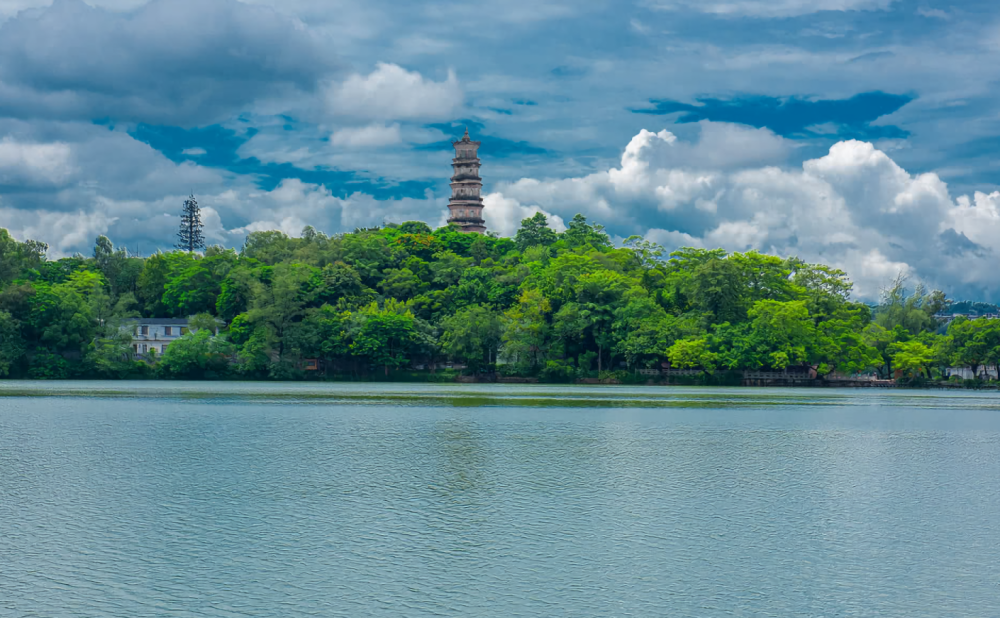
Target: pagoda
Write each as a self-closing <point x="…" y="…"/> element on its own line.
<point x="465" y="208"/>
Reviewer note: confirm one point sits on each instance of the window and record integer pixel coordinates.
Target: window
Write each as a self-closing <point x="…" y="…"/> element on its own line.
<point x="143" y="330"/>
<point x="167" y="331"/>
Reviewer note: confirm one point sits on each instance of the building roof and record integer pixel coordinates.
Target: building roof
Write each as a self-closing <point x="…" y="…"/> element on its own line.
<point x="160" y="321"/>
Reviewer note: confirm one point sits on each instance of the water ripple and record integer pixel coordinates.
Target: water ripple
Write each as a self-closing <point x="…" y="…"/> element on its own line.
<point x="391" y="500"/>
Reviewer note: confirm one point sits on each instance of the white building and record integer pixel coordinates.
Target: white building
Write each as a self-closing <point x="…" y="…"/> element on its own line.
<point x="984" y="372"/>
<point x="155" y="334"/>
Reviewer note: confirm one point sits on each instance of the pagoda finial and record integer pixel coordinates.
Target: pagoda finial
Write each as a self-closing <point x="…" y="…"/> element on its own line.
<point x="465" y="138"/>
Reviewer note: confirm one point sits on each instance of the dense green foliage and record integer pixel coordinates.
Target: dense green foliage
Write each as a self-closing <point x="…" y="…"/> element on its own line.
<point x="376" y="303"/>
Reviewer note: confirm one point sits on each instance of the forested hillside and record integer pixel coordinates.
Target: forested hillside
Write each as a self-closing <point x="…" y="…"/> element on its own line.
<point x="375" y="303"/>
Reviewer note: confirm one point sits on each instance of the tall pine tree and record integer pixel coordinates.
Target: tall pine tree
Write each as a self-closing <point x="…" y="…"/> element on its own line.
<point x="190" y="235"/>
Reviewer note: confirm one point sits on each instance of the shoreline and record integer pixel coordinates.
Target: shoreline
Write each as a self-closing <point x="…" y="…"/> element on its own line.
<point x="431" y="379"/>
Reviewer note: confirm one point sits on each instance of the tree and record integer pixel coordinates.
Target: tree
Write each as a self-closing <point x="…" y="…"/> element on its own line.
<point x="112" y="357"/>
<point x="268" y="247"/>
<point x="881" y="339"/>
<point x="159" y="270"/>
<point x="552" y="305"/>
<point x="472" y="335"/>
<point x="414" y="227"/>
<point x="103" y="250"/>
<point x="12" y="345"/>
<point x="720" y="291"/>
<point x="283" y="302"/>
<point x="692" y="354"/>
<point x="196" y="287"/>
<point x="448" y="267"/>
<point x="401" y="283"/>
<point x="841" y="343"/>
<point x="385" y="337"/>
<point x="912" y="357"/>
<point x="975" y="342"/>
<point x="648" y="254"/>
<point x="235" y="292"/>
<point x="341" y="281"/>
<point x="579" y="233"/>
<point x="914" y="312"/>
<point x="644" y="331"/>
<point x="785" y="333"/>
<point x="191" y="235"/>
<point x="63" y="316"/>
<point x="17" y="257"/>
<point x="534" y="231"/>
<point x="198" y="354"/>
<point x="203" y="321"/>
<point x="600" y="294"/>
<point x="525" y="330"/>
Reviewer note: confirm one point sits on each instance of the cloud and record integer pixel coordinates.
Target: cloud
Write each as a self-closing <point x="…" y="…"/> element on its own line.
<point x="65" y="232"/>
<point x="194" y="152"/>
<point x="933" y="13"/>
<point x="872" y="57"/>
<point x="504" y="215"/>
<point x="494" y="147"/>
<point x="793" y="116"/>
<point x="719" y="146"/>
<point x="178" y="61"/>
<point x="853" y="208"/>
<point x="268" y="156"/>
<point x="229" y="215"/>
<point x="27" y="163"/>
<point x="294" y="204"/>
<point x="769" y="8"/>
<point x="391" y="92"/>
<point x="371" y="136"/>
<point x="56" y="166"/>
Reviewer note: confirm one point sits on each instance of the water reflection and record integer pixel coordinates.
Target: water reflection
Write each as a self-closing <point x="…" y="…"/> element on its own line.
<point x="389" y="500"/>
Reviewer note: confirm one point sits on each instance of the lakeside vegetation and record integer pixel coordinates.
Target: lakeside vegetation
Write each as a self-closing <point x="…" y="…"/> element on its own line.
<point x="374" y="304"/>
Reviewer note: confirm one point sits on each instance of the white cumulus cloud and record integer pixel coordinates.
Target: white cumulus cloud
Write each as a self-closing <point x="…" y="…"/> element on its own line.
<point x="391" y="92"/>
<point x="504" y="215"/>
<point x="853" y="208"/>
<point x="65" y="232"/>
<point x="32" y="163"/>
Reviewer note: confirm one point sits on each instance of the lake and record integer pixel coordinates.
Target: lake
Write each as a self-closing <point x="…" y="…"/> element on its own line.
<point x="250" y="499"/>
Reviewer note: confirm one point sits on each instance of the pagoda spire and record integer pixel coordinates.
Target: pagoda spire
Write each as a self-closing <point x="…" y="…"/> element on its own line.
<point x="465" y="208"/>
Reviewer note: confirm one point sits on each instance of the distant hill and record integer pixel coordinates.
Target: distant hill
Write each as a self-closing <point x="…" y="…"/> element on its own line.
<point x="969" y="307"/>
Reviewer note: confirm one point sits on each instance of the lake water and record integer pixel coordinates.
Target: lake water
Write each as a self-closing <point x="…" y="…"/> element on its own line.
<point x="161" y="499"/>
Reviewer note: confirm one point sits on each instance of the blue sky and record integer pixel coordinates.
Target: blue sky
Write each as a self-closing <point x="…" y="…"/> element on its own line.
<point x="862" y="133"/>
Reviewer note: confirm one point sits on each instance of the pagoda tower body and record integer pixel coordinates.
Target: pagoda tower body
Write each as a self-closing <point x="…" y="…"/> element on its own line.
<point x="465" y="208"/>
